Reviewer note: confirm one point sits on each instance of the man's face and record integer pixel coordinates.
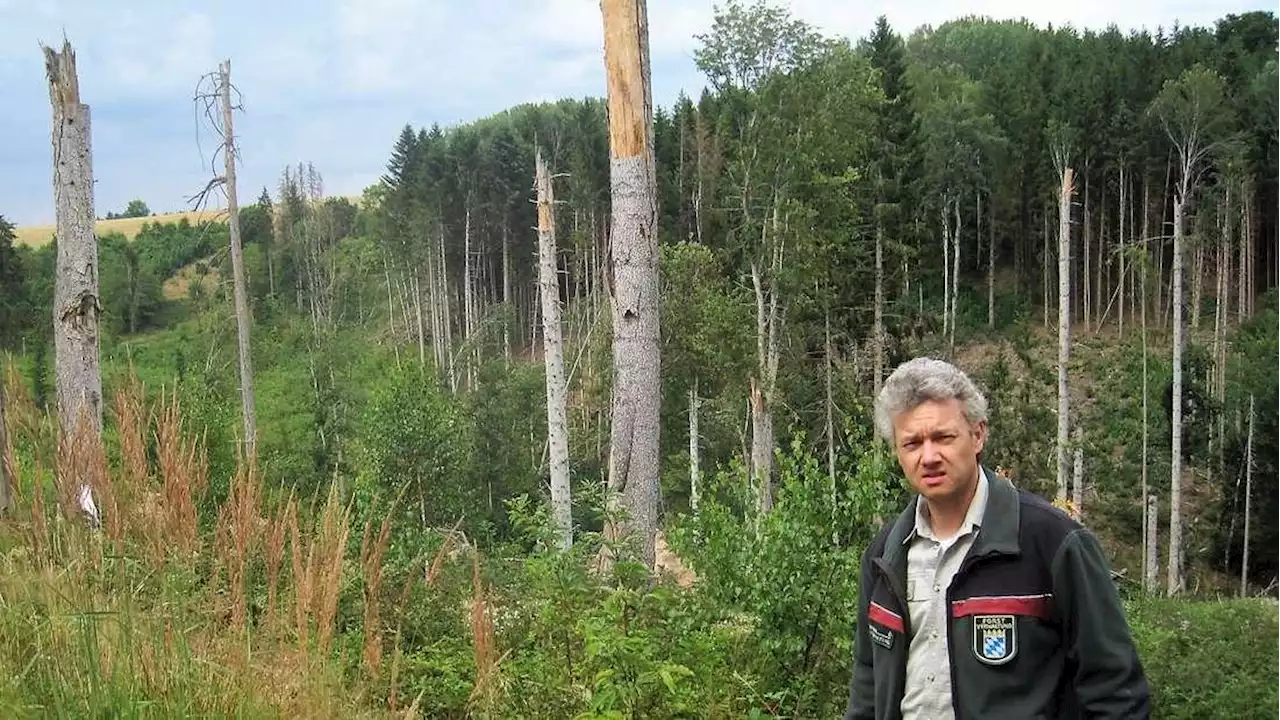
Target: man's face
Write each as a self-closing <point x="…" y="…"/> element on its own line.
<point x="938" y="449"/>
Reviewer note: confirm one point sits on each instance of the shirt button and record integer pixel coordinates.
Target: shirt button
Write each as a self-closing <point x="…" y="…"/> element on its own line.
<point x="930" y="678"/>
<point x="937" y="588"/>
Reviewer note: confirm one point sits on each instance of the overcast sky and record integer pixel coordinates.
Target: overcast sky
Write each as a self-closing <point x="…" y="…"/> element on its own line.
<point x="334" y="81"/>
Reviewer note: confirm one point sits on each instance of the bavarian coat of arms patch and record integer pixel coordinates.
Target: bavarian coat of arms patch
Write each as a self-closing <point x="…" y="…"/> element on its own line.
<point x="995" y="638"/>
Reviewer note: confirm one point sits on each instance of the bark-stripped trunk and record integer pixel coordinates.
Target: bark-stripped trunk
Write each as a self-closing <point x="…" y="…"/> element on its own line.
<point x="1245" y="283"/>
<point x="877" y="327"/>
<point x="1064" y="326"/>
<point x="446" y="320"/>
<point x="1164" y="213"/>
<point x="416" y="286"/>
<point x="1175" y="492"/>
<point x="553" y="356"/>
<point x="1152" y="574"/>
<point x="946" y="266"/>
<point x="506" y="292"/>
<point x="991" y="265"/>
<point x="75" y="306"/>
<point x="633" y="451"/>
<point x="1197" y="279"/>
<point x="765" y="379"/>
<point x="243" y="318"/>
<point x="955" y="272"/>
<point x="831" y="430"/>
<point x="695" y="473"/>
<point x="1121" y="243"/>
<point x="1248" y="503"/>
<point x="1148" y="577"/>
<point x="1077" y="474"/>
<point x="1146" y="239"/>
<point x="1086" y="288"/>
<point x="468" y="298"/>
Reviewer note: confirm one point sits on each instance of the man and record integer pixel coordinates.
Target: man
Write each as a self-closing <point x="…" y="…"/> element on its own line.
<point x="981" y="601"/>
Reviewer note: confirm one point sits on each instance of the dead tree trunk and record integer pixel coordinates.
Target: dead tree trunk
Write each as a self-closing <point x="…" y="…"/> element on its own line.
<point x="695" y="472"/>
<point x="75" y="307"/>
<point x="1245" y="282"/>
<point x="1175" y="492"/>
<point x="1152" y="574"/>
<point x="1064" y="326"/>
<point x="1085" y="238"/>
<point x="468" y="299"/>
<point x="243" y="319"/>
<point x="877" y="326"/>
<point x="553" y="356"/>
<point x="955" y="272"/>
<point x="633" y="452"/>
<point x="446" y="319"/>
<point x="1121" y="243"/>
<point x="765" y="379"/>
<point x="1148" y="577"/>
<point x="508" y="311"/>
<point x="991" y="265"/>
<point x="1248" y="507"/>
<point x="946" y="266"/>
<point x="1077" y="474"/>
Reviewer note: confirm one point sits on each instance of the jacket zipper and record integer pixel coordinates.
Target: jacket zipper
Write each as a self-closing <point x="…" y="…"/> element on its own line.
<point x="965" y="567"/>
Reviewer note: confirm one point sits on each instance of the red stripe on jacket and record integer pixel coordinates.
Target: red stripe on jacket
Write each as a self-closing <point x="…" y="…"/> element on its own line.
<point x="884" y="616"/>
<point x="1040" y="606"/>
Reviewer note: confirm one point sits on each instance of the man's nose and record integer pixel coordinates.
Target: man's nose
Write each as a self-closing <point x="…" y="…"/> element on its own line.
<point x="930" y="454"/>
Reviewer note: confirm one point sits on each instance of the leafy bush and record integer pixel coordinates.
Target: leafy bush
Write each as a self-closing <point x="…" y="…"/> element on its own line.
<point x="1208" y="659"/>
<point x="789" y="580"/>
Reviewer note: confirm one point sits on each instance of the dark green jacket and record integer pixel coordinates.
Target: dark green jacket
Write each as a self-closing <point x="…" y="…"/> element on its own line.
<point x="1036" y="629"/>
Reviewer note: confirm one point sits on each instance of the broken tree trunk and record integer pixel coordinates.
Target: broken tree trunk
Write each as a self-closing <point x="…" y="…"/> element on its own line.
<point x="1064" y="325"/>
<point x="243" y="319"/>
<point x="553" y="356"/>
<point x="633" y="451"/>
<point x="75" y="307"/>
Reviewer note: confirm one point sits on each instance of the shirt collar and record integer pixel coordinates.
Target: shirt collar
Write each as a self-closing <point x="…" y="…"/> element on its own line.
<point x="972" y="518"/>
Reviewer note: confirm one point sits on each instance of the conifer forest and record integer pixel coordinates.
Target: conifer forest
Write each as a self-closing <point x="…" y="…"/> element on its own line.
<point x="569" y="414"/>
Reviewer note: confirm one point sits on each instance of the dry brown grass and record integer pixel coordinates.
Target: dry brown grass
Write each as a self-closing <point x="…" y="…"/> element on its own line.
<point x="372" y="553"/>
<point x="240" y="522"/>
<point x="38" y="235"/>
<point x="198" y="636"/>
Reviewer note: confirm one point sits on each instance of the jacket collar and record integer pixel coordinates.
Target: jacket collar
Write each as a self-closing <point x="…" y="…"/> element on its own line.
<point x="1000" y="522"/>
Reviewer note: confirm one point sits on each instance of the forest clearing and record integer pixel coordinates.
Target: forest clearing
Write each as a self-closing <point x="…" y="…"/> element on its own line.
<point x="569" y="415"/>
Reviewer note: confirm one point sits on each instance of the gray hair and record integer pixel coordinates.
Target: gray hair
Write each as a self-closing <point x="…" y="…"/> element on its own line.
<point x="921" y="380"/>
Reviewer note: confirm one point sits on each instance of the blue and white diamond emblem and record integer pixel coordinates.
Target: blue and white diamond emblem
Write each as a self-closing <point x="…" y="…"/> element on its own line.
<point x="995" y="638"/>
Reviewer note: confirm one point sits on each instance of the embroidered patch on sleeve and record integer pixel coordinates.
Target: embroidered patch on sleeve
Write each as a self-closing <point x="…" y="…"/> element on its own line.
<point x="880" y="636"/>
<point x="995" y="638"/>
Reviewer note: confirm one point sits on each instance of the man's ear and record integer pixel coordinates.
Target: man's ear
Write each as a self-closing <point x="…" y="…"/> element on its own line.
<point x="979" y="436"/>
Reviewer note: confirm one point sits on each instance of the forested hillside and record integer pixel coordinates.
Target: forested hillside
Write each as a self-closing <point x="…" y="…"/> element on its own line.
<point x="827" y="208"/>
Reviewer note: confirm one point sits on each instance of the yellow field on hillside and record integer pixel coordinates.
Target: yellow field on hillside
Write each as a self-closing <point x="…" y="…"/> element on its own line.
<point x="37" y="235"/>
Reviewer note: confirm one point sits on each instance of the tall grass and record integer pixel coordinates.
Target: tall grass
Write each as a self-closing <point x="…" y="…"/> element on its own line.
<point x="158" y="611"/>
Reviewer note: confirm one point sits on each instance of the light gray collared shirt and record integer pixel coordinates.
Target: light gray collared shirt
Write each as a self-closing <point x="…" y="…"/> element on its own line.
<point x="931" y="565"/>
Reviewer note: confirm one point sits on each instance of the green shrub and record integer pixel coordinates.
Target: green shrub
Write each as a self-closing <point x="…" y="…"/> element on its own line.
<point x="1208" y="659"/>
